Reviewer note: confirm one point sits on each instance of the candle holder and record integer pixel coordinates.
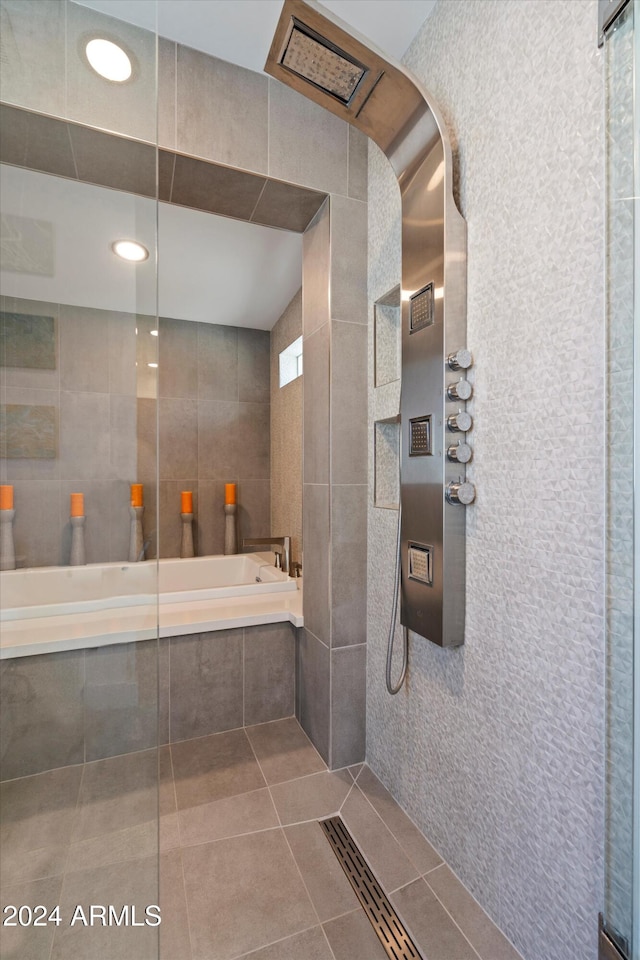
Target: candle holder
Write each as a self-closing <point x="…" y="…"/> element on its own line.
<point x="136" y="538"/>
<point x="77" y="557"/>
<point x="230" y="535"/>
<point x="186" y="546"/>
<point x="7" y="549"/>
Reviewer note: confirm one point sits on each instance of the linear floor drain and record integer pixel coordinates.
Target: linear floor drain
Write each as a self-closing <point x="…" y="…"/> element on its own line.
<point x="377" y="906"/>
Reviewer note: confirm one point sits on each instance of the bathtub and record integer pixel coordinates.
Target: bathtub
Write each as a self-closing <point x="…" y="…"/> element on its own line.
<point x="63" y="608"/>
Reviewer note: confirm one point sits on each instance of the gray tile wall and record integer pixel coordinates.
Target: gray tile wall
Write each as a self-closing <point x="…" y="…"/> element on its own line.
<point x="496" y="748"/>
<point x="332" y="648"/>
<point x="93" y="391"/>
<point x="258" y="125"/>
<point x="213" y="407"/>
<point x="214" y="428"/>
<point x="61" y="709"/>
<point x="286" y="434"/>
<point x="292" y="139"/>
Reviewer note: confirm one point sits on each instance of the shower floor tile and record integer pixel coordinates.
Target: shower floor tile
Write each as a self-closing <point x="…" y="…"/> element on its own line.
<point x="245" y="871"/>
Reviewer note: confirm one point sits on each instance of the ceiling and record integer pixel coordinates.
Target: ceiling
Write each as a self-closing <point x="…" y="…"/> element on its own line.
<point x="211" y="269"/>
<point x="241" y="31"/>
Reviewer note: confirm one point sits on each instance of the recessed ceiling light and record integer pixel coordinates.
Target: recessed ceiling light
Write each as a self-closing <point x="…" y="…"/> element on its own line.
<point x="108" y="59"/>
<point x="152" y="364"/>
<point x="130" y="250"/>
<point x="154" y="333"/>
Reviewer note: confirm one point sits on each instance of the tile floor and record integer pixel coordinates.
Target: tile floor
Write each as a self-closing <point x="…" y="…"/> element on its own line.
<point x="245" y="870"/>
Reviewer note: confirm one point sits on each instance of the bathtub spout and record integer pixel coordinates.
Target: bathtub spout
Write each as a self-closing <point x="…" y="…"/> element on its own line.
<point x="284" y="542"/>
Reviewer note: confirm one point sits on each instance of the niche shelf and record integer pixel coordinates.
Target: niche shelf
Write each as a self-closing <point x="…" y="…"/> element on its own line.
<point x="386" y="443"/>
<point x="387" y="328"/>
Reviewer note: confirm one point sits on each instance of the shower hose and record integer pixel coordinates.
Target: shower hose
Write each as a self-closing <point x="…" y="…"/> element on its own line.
<point x="392" y="626"/>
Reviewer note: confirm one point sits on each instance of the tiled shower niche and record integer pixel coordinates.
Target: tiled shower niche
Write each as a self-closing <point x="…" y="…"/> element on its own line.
<point x="386" y="442"/>
<point x="387" y="314"/>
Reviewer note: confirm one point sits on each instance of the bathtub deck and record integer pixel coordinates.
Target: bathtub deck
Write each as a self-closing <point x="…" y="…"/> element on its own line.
<point x="19" y="638"/>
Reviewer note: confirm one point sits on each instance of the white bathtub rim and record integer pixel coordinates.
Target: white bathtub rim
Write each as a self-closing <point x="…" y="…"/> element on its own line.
<point x="128" y="624"/>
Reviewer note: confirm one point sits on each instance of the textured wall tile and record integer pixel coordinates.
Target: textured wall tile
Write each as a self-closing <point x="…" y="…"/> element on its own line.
<point x="496" y="748"/>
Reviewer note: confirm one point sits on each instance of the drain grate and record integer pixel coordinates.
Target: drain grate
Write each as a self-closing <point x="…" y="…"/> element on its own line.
<point x="377" y="906"/>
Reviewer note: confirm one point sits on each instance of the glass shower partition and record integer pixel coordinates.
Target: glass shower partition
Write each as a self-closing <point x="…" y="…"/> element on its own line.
<point x="620" y="934"/>
<point x="80" y="761"/>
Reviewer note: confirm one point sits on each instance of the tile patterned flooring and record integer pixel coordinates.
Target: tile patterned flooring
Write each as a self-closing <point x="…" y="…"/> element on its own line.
<point x="245" y="870"/>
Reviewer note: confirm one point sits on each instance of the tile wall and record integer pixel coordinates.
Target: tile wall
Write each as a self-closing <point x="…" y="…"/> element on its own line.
<point x="67" y="708"/>
<point x="496" y="748"/>
<point x="212" y="384"/>
<point x="286" y="434"/>
<point x="226" y="114"/>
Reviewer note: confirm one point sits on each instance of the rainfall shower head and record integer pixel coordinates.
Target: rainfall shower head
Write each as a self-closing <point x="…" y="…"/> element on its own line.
<point x="321" y="63"/>
<point x="319" y="55"/>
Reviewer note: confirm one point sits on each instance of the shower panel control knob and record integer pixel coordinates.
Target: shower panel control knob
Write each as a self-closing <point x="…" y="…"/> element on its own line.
<point x="462" y="492"/>
<point x="462" y="390"/>
<point x="460" y="360"/>
<point x="460" y="453"/>
<point x="460" y="422"/>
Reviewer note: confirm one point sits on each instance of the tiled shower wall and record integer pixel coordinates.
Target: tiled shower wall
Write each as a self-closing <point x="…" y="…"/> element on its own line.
<point x="213" y="386"/>
<point x="286" y="434"/>
<point x="223" y="113"/>
<point x="213" y="428"/>
<point x="620" y="426"/>
<point x="59" y="709"/>
<point x="496" y="748"/>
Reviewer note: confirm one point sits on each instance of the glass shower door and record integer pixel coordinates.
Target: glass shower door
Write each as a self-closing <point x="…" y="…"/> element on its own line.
<point x="621" y="917"/>
<point x="79" y="726"/>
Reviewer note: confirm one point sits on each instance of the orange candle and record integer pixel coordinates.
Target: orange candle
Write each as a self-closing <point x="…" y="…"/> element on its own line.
<point x="6" y="497"/>
<point x="136" y="495"/>
<point x="187" y="501"/>
<point x="77" y="505"/>
<point x="229" y="493"/>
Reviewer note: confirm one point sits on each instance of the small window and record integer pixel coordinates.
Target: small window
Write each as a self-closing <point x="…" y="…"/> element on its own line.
<point x="291" y="362"/>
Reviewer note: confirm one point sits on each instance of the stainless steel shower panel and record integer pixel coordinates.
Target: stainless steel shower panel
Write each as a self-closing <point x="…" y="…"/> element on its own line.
<point x="395" y="111"/>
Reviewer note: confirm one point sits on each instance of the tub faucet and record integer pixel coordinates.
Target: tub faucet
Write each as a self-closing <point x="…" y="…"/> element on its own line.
<point x="284" y="542"/>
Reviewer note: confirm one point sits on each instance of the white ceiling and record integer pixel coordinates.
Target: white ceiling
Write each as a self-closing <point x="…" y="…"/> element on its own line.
<point x="211" y="269"/>
<point x="241" y="30"/>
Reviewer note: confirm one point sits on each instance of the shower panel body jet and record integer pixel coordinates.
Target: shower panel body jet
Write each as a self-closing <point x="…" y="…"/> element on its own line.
<point x="318" y="55"/>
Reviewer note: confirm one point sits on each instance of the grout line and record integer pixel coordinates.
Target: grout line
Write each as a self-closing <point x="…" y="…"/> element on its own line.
<point x="397" y="840"/>
<point x="453" y="920"/>
<point x="252" y="953"/>
<point x="286" y="840"/>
